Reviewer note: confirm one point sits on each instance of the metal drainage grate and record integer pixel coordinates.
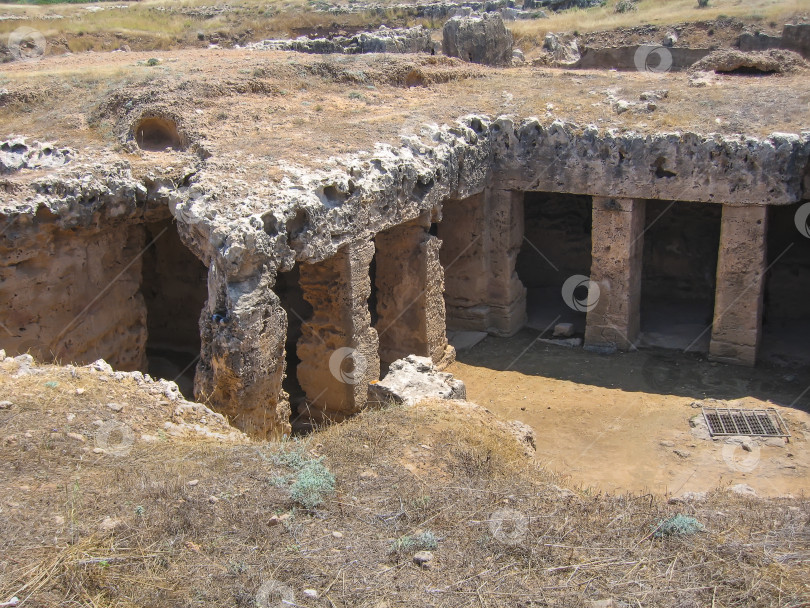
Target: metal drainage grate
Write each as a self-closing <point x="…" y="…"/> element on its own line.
<point x="756" y="423"/>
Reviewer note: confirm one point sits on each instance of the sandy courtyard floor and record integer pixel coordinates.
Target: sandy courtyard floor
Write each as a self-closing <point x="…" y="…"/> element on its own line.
<point x="622" y="422"/>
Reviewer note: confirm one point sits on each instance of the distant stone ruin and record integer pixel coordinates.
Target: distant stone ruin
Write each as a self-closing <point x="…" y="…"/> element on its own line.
<point x="383" y="40"/>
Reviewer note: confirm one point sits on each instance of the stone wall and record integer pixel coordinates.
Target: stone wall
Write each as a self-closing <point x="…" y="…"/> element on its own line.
<point x="628" y="58"/>
<point x="338" y="349"/>
<point x="74" y="295"/>
<point x="741" y="268"/>
<point x="409" y="287"/>
<point x="795" y="37"/>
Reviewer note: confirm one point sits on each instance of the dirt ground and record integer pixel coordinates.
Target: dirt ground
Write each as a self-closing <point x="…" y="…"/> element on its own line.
<point x="256" y="112"/>
<point x="622" y="422"/>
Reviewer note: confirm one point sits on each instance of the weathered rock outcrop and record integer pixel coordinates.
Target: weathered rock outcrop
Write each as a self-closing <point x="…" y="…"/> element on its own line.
<point x="768" y="62"/>
<point x="478" y="39"/>
<point x="384" y="40"/>
<point x="15" y="154"/>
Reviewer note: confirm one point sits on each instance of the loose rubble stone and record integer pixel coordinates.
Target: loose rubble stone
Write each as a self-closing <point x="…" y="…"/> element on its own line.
<point x="413" y="379"/>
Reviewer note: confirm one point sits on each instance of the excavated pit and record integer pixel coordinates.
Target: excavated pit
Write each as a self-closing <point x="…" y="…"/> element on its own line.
<point x="308" y="292"/>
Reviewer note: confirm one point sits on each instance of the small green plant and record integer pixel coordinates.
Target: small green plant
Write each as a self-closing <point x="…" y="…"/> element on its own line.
<point x="314" y="483"/>
<point x="703" y="3"/>
<point x="678" y="525"/>
<point x="152" y="61"/>
<point x="311" y="481"/>
<point x="355" y="95"/>
<point x="424" y="541"/>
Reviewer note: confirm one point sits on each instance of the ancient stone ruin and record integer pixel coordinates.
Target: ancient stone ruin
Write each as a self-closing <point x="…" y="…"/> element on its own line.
<point x="306" y="294"/>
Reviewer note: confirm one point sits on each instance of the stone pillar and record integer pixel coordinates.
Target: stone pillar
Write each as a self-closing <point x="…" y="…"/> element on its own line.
<point x="463" y="256"/>
<point x="481" y="237"/>
<point x="241" y="365"/>
<point x="617" y="244"/>
<point x="741" y="266"/>
<point x="506" y="295"/>
<point x="409" y="280"/>
<point x="338" y="348"/>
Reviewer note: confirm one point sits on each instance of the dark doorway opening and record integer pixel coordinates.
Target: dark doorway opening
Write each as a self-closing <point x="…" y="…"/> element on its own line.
<point x="681" y="244"/>
<point x="786" y="307"/>
<point x="288" y="289"/>
<point x="175" y="289"/>
<point x="556" y="246"/>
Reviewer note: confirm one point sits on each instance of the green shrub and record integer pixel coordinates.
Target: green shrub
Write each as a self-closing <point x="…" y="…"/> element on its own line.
<point x="678" y="525"/>
<point x="314" y="483"/>
<point x="425" y="541"/>
<point x="703" y="3"/>
<point x="311" y="481"/>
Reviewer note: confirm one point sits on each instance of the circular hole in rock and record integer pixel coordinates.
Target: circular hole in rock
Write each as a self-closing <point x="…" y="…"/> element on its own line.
<point x="158" y="135"/>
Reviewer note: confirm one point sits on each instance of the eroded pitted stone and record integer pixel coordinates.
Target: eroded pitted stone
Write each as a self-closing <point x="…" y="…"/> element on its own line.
<point x="413" y="379"/>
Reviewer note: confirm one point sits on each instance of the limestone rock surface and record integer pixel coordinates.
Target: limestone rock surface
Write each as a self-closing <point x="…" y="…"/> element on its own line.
<point x="413" y="379"/>
<point x="478" y="39"/>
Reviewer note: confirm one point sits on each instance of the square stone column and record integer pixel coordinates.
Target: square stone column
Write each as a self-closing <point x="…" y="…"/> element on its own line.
<point x="741" y="266"/>
<point x="464" y="260"/>
<point x="617" y="244"/>
<point x="481" y="237"/>
<point x="338" y="348"/>
<point x="506" y="295"/>
<point x="409" y="280"/>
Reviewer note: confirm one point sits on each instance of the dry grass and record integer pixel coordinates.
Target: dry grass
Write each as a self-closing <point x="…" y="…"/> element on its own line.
<point x="657" y="12"/>
<point x="434" y="469"/>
